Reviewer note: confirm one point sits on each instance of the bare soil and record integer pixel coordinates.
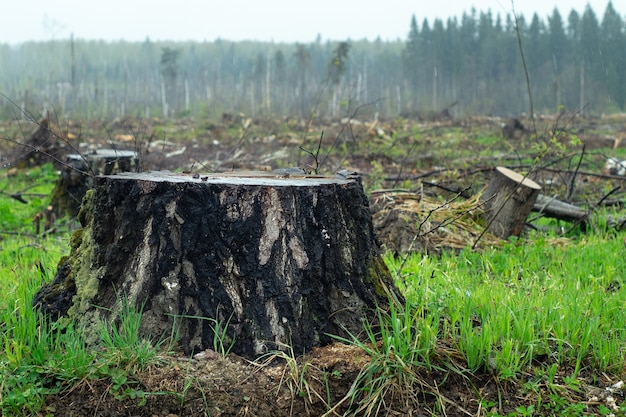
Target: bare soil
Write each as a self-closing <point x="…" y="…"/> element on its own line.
<point x="211" y="385"/>
<point x="216" y="386"/>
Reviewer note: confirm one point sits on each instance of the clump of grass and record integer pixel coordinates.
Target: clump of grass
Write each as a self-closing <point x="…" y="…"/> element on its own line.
<point x="298" y="375"/>
<point x="37" y="358"/>
<point x="40" y="358"/>
<point x="121" y="342"/>
<point x="400" y="344"/>
<point x="529" y="310"/>
<point x="222" y="342"/>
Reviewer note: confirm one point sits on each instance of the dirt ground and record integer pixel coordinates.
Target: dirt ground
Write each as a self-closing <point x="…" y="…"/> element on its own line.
<point x="210" y="385"/>
<point x="315" y="384"/>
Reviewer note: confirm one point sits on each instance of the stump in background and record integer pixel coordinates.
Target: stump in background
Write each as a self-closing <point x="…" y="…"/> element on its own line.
<point x="281" y="259"/>
<point x="46" y="144"/>
<point x="508" y="200"/>
<point x="77" y="176"/>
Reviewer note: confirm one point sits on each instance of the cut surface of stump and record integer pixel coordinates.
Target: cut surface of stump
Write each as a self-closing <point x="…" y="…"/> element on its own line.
<point x="276" y="259"/>
<point x="77" y="175"/>
<point x="508" y="200"/>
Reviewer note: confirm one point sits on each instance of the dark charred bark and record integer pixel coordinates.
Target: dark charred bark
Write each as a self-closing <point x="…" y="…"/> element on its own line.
<point x="508" y="200"/>
<point x="282" y="260"/>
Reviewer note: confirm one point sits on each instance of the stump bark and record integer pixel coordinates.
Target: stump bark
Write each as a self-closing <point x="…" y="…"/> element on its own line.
<point x="279" y="259"/>
<point x="77" y="175"/>
<point x="508" y="200"/>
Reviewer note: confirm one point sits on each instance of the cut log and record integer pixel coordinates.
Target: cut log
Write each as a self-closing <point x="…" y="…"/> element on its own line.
<point x="278" y="259"/>
<point x="557" y="209"/>
<point x="508" y="200"/>
<point x="77" y="176"/>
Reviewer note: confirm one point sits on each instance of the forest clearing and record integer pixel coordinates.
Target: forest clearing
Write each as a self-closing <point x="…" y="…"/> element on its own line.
<point x="409" y="226"/>
<point x="531" y="325"/>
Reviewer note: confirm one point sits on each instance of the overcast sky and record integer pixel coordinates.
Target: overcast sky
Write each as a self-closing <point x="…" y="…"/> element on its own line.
<point x="265" y="20"/>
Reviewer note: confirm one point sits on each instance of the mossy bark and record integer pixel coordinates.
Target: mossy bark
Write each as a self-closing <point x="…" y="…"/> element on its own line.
<point x="281" y="260"/>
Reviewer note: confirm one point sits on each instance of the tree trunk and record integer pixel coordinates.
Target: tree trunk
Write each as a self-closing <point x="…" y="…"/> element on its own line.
<point x="508" y="200"/>
<point x="582" y="106"/>
<point x="277" y="259"/>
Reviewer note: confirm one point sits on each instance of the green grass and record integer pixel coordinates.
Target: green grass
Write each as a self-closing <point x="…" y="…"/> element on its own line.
<point x="530" y="300"/>
<point x="26" y="258"/>
<point x="39" y="358"/>
<point x="402" y="343"/>
<point x="539" y="313"/>
<point x="33" y="186"/>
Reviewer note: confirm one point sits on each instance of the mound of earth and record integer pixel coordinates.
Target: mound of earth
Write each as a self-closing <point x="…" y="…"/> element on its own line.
<point x="210" y="385"/>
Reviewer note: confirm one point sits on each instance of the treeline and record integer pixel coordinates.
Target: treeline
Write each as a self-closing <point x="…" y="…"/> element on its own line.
<point x="474" y="62"/>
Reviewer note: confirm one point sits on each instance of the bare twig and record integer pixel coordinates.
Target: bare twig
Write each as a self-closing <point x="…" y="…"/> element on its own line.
<point x="592" y="209"/>
<point x="31" y="148"/>
<point x="345" y="126"/>
<point x="570" y="186"/>
<point x="315" y="154"/>
<point x="432" y="229"/>
<point x="462" y="193"/>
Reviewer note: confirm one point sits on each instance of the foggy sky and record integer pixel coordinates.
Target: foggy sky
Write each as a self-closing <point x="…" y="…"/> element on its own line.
<point x="264" y="20"/>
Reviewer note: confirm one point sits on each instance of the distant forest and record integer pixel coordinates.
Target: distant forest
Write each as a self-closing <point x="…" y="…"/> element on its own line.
<point x="471" y="66"/>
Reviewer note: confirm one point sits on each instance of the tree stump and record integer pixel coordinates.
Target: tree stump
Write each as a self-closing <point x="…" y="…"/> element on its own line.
<point x="46" y="144"/>
<point x="508" y="200"/>
<point x="78" y="171"/>
<point x="279" y="259"/>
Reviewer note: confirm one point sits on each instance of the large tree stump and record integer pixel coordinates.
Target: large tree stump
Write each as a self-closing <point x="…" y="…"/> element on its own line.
<point x="282" y="259"/>
<point x="508" y="200"/>
<point x="77" y="175"/>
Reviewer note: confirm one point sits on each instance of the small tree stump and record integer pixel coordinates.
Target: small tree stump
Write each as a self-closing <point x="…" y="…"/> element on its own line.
<point x="280" y="259"/>
<point x="46" y="144"/>
<point x="508" y="200"/>
<point x="78" y="171"/>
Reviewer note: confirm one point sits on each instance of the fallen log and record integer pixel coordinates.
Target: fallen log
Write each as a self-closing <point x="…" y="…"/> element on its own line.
<point x="276" y="259"/>
<point x="556" y="209"/>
